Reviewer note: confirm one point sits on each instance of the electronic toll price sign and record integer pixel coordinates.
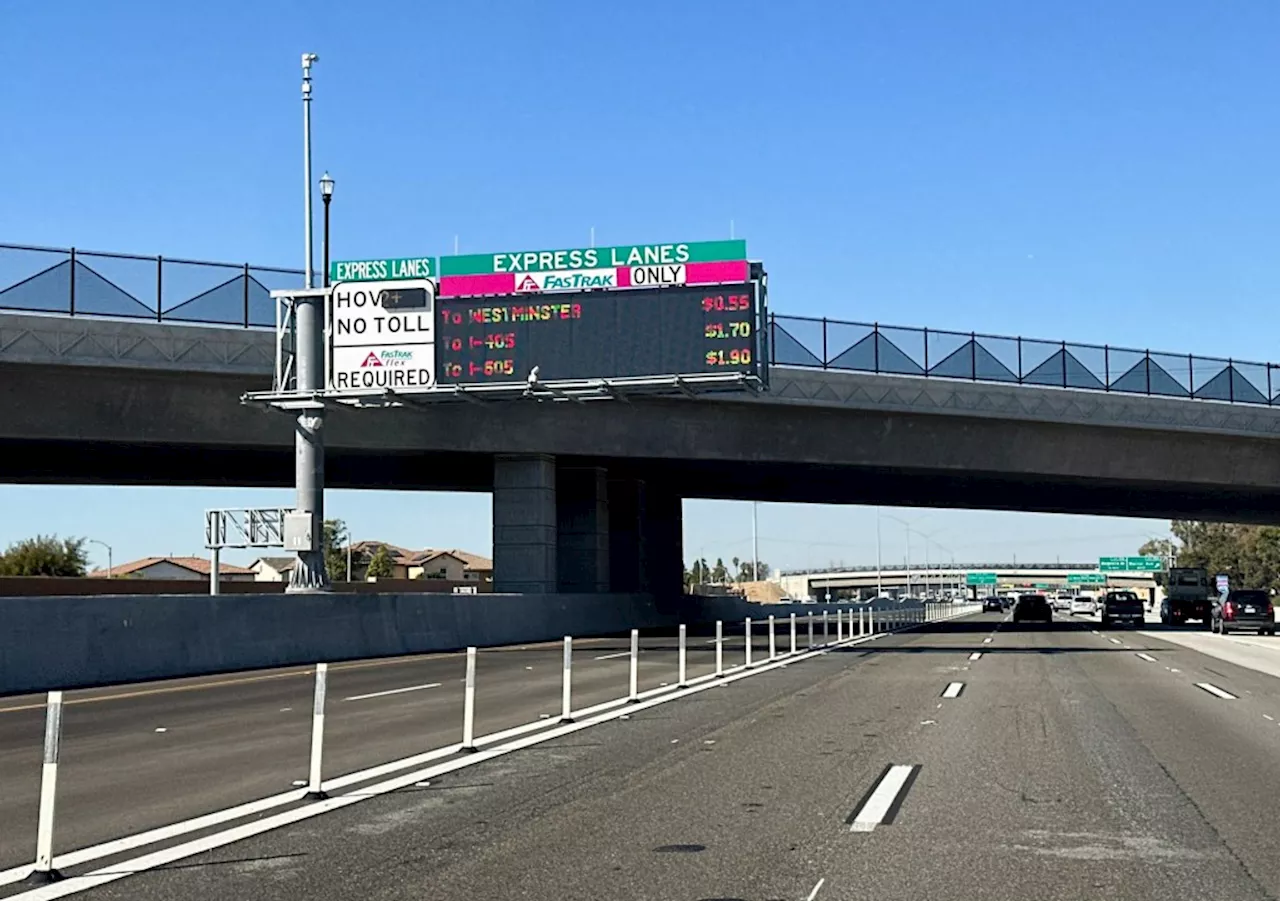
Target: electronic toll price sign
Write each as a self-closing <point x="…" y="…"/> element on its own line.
<point x="606" y="334"/>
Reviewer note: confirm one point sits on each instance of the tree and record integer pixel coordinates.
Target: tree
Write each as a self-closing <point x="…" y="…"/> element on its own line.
<point x="381" y="566"/>
<point x="1159" y="547"/>
<point x="736" y="572"/>
<point x="45" y="555"/>
<point x="720" y="574"/>
<point x="336" y="538"/>
<point x="1249" y="555"/>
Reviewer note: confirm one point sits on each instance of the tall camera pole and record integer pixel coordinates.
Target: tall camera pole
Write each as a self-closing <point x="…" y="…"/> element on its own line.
<point x="309" y="573"/>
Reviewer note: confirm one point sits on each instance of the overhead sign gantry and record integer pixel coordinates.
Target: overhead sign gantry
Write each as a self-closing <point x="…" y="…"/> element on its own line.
<point x="594" y="322"/>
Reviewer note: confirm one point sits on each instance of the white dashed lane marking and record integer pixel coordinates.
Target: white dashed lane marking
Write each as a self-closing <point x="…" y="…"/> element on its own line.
<point x="1216" y="691"/>
<point x="975" y="655"/>
<point x="393" y="691"/>
<point x="1146" y="657"/>
<point x="881" y="805"/>
<point x="953" y="690"/>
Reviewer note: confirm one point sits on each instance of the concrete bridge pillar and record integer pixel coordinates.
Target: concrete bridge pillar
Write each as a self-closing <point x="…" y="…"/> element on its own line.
<point x="663" y="542"/>
<point x="627" y="535"/>
<point x="582" y="528"/>
<point x="524" y="524"/>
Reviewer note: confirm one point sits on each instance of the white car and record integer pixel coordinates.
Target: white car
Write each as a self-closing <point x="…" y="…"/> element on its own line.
<point x="1084" y="605"/>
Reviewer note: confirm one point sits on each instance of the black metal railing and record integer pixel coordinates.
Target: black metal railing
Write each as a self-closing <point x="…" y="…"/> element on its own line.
<point x="971" y="356"/>
<point x="120" y="285"/>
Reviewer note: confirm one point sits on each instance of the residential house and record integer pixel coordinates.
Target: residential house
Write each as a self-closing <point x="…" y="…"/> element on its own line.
<point x="273" y="569"/>
<point x="431" y="563"/>
<point x="191" y="568"/>
<point x="452" y="564"/>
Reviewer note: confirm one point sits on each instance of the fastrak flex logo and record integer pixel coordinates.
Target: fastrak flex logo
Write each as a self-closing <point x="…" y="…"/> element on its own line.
<point x="528" y="283"/>
<point x="388" y="358"/>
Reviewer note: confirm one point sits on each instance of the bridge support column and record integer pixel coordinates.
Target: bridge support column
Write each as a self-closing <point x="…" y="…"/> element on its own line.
<point x="582" y="528"/>
<point x="524" y="524"/>
<point x="626" y="535"/>
<point x="663" y="537"/>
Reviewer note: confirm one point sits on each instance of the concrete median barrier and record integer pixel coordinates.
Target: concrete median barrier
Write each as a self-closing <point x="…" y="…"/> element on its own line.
<point x="49" y="643"/>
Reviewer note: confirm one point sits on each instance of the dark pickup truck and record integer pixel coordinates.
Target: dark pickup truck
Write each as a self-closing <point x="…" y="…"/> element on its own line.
<point x="1121" y="607"/>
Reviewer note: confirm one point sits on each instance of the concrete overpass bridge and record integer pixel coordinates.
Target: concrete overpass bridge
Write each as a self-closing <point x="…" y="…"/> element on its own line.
<point x="846" y="583"/>
<point x="587" y="496"/>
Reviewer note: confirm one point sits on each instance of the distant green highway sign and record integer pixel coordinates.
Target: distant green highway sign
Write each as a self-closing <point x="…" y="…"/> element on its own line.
<point x="979" y="578"/>
<point x="1086" y="579"/>
<point x="1130" y="564"/>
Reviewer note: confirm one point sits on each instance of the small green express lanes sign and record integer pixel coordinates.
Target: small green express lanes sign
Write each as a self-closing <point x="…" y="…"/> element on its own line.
<point x="386" y="269"/>
<point x="979" y="578"/>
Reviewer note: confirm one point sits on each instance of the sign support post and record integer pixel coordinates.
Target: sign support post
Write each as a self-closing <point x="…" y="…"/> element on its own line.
<point x="308" y="442"/>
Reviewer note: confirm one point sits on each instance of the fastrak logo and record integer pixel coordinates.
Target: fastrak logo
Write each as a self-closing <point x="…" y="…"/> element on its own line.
<point x="371" y="360"/>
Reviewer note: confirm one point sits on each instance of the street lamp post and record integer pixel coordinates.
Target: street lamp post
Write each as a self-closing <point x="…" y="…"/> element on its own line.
<point x="110" y="565"/>
<point x="326" y="194"/>
<point x="879" y="564"/>
<point x="755" y="542"/>
<point x="307" y="60"/>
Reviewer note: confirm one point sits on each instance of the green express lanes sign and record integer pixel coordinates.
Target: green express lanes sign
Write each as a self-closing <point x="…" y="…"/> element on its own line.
<point x="382" y="270"/>
<point x="594" y="268"/>
<point x="979" y="578"/>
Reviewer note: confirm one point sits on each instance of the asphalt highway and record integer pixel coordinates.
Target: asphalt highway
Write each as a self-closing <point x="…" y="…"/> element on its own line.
<point x="137" y="757"/>
<point x="1064" y="762"/>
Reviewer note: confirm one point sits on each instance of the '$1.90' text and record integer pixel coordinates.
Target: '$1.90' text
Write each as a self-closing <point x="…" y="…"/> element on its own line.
<point x="735" y="357"/>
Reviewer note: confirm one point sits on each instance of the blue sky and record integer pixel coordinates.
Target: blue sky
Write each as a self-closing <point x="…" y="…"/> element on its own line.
<point x="1088" y="170"/>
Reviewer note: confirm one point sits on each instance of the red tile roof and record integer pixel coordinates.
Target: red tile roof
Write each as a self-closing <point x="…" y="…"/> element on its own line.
<point x="198" y="565"/>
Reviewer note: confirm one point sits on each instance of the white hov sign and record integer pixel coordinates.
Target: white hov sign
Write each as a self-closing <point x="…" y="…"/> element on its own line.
<point x="382" y="335"/>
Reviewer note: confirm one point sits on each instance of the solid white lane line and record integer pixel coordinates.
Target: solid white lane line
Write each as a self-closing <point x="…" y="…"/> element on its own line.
<point x="1216" y="691"/>
<point x="877" y="805"/>
<point x="1147" y="657"/>
<point x="393" y="691"/>
<point x="612" y="656"/>
<point x="953" y="690"/>
<point x="975" y="655"/>
<point x="817" y="888"/>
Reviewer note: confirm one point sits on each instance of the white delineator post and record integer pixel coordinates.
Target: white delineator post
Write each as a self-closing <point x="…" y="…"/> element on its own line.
<point x="683" y="636"/>
<point x="566" y="688"/>
<point x="811" y="630"/>
<point x="747" y="627"/>
<point x="793" y="633"/>
<point x="469" y="703"/>
<point x="839" y="625"/>
<point x="719" y="647"/>
<point x="44" y="871"/>
<point x="773" y="647"/>
<point x="635" y="666"/>
<point x="826" y="628"/>
<point x="317" y="732"/>
<point x="862" y="623"/>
